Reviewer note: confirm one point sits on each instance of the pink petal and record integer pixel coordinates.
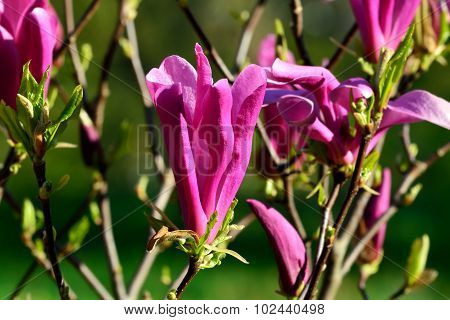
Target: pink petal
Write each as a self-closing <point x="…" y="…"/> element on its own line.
<point x="417" y="106"/>
<point x="175" y="69"/>
<point x="289" y="249"/>
<point x="10" y="69"/>
<point x="215" y="137"/>
<point x="36" y="40"/>
<point x="14" y="12"/>
<point x="297" y="110"/>
<point x="204" y="81"/>
<point x="170" y="107"/>
<point x="248" y="94"/>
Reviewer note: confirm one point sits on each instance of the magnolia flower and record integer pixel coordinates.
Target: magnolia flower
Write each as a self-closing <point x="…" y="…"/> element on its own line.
<point x="289" y="249"/>
<point x="377" y="207"/>
<point x="383" y="23"/>
<point x="318" y="102"/>
<point x="29" y="30"/>
<point x="282" y="136"/>
<point x="207" y="129"/>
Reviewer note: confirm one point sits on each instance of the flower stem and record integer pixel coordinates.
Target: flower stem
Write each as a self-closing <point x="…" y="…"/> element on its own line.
<point x="192" y="271"/>
<point x="39" y="171"/>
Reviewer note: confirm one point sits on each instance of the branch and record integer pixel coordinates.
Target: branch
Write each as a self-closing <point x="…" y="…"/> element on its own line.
<point x="109" y="241"/>
<point x="247" y="33"/>
<point x="415" y="172"/>
<point x="212" y="52"/>
<point x="406" y="140"/>
<point x="297" y="28"/>
<point x="98" y="106"/>
<point x="5" y="173"/>
<point x="326" y="217"/>
<point x="290" y="202"/>
<point x="340" y="49"/>
<point x="147" y="262"/>
<point x="192" y="271"/>
<point x="147" y="101"/>
<point x="88" y="275"/>
<point x="353" y="190"/>
<point x="39" y="171"/>
<point x="76" y="30"/>
<point x="24" y="280"/>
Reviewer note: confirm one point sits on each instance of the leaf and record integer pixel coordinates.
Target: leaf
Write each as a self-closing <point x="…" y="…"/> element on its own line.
<point x="63" y="181"/>
<point x="209" y="226"/>
<point x="86" y="55"/>
<point x="417" y="260"/>
<point x="227" y="251"/>
<point x="28" y="218"/>
<point x="57" y="128"/>
<point x="9" y="118"/>
<point x="72" y="106"/>
<point x="78" y="232"/>
<point x="94" y="210"/>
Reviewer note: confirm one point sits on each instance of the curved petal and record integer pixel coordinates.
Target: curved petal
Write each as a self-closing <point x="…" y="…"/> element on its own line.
<point x="308" y="77"/>
<point x="214" y="137"/>
<point x="175" y="70"/>
<point x="273" y="95"/>
<point x="204" y="82"/>
<point x="402" y="16"/>
<point x="248" y="94"/>
<point x="289" y="249"/>
<point x="9" y="68"/>
<point x="367" y="14"/>
<point x="170" y="107"/>
<point x="417" y="106"/>
<point x="36" y="40"/>
<point x="297" y="110"/>
<point x="357" y="87"/>
<point x="14" y="12"/>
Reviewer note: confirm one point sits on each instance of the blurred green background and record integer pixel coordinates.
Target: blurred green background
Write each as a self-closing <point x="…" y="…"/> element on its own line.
<point x="162" y="31"/>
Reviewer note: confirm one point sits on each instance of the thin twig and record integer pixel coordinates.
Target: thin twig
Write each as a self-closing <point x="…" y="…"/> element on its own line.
<point x="110" y="243"/>
<point x="290" y="202"/>
<point x="190" y="274"/>
<point x="147" y="262"/>
<point x="326" y="217"/>
<point x="212" y="52"/>
<point x="88" y="275"/>
<point x="247" y="34"/>
<point x="24" y="280"/>
<point x="340" y="49"/>
<point x="98" y="106"/>
<point x="415" y="172"/>
<point x="76" y="30"/>
<point x="353" y="190"/>
<point x="147" y="101"/>
<point x="39" y="171"/>
<point x="397" y="294"/>
<point x="406" y="140"/>
<point x="297" y="28"/>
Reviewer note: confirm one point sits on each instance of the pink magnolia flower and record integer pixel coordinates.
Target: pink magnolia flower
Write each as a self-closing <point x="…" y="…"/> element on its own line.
<point x="282" y="136"/>
<point x="289" y="249"/>
<point x="377" y="207"/>
<point x="320" y="103"/>
<point x="29" y="30"/>
<point x="207" y="129"/>
<point x="383" y="23"/>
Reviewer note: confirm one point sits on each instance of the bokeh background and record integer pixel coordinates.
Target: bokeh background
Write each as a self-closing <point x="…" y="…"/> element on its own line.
<point x="163" y="30"/>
